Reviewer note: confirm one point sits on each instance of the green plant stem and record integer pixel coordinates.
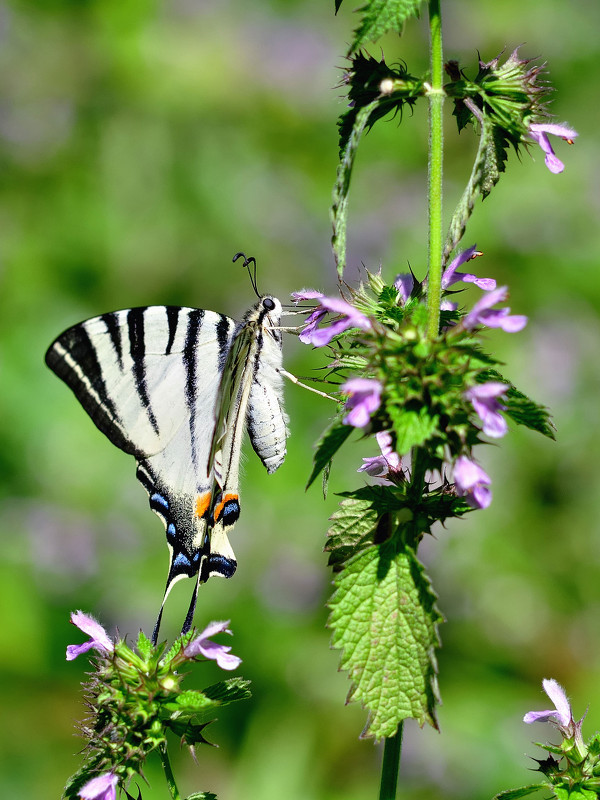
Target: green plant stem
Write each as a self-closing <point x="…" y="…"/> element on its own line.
<point x="164" y="757"/>
<point x="436" y="143"/>
<point x="391" y="765"/>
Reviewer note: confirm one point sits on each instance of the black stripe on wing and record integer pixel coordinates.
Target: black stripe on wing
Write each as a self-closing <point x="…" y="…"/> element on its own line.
<point x="137" y="350"/>
<point x="189" y="362"/>
<point x="73" y="357"/>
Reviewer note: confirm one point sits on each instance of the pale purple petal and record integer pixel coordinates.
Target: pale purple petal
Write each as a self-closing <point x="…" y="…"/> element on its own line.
<point x="539" y="133"/>
<point x="483" y="314"/>
<point x="558" y="696"/>
<point x="483" y="396"/>
<point x="102" y="787"/>
<point x="388" y="461"/>
<point x="472" y="482"/>
<point x="352" y="318"/>
<point x="450" y="275"/>
<point x="99" y="639"/>
<point x="202" y="646"/>
<point x="376" y="466"/>
<point x="306" y="294"/>
<point x="405" y="284"/>
<point x="364" y="398"/>
<point x="561" y="713"/>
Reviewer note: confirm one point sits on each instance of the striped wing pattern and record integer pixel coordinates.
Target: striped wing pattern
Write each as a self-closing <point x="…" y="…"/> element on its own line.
<point x="174" y="387"/>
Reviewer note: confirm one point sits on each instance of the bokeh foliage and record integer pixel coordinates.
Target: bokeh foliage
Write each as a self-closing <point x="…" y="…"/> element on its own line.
<point x="141" y="145"/>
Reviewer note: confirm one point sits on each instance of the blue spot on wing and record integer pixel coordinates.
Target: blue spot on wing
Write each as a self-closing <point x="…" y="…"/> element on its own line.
<point x="158" y="500"/>
<point x="181" y="561"/>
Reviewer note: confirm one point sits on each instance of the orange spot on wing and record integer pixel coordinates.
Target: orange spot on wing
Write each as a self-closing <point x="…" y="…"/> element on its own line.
<point x="221" y="505"/>
<point x="202" y="504"/>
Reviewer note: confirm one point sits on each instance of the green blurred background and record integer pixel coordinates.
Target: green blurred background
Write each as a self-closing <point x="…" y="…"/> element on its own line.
<point x="141" y="145"/>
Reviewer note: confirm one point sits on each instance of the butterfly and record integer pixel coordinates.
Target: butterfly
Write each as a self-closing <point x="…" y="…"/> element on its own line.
<point x="176" y="388"/>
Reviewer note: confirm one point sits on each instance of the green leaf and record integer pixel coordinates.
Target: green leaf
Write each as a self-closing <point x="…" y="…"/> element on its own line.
<point x="384" y="621"/>
<point x="351" y="529"/>
<point x="381" y="16"/>
<point x="514" y="794"/>
<point x="201" y="796"/>
<point x="412" y="427"/>
<point x="489" y="163"/>
<point x="520" y="408"/>
<point x="339" y="208"/>
<point x="327" y="446"/>
<point x="229" y="691"/>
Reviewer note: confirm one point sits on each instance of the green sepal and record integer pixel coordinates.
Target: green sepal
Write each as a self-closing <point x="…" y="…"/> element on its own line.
<point x="178" y="645"/>
<point x="515" y="794"/>
<point x="327" y="446"/>
<point x="365" y="76"/>
<point x="574" y="792"/>
<point x="381" y="16"/>
<point x="144" y="646"/>
<point x="384" y="620"/>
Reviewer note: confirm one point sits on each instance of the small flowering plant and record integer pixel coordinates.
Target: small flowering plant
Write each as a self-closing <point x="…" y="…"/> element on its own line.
<point x="135" y="700"/>
<point x="408" y="359"/>
<point x="572" y="768"/>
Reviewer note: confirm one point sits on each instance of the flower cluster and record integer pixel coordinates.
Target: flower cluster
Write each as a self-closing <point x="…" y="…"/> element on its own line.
<point x="135" y="697"/>
<point x="572" y="769"/>
<point x="409" y="384"/>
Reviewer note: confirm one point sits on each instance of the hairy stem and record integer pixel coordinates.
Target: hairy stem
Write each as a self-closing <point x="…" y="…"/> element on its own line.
<point x="436" y="134"/>
<point x="391" y="765"/>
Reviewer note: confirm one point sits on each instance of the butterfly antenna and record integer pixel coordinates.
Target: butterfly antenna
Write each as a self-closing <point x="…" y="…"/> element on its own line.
<point x="247" y="261"/>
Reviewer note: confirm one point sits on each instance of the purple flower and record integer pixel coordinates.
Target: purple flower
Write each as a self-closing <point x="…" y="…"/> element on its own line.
<point x="386" y="465"/>
<point x="405" y="284"/>
<point x="472" y="482"/>
<point x="202" y="646"/>
<point x="561" y="714"/>
<point x="483" y="314"/>
<point x="350" y="318"/>
<point x="102" y="787"/>
<point x="99" y="639"/>
<point x="483" y="396"/>
<point x="539" y="133"/>
<point x="451" y="276"/>
<point x="364" y="398"/>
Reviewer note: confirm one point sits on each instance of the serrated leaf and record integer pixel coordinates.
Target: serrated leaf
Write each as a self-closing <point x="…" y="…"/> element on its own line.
<point x="384" y="620"/>
<point x="515" y="794"/>
<point x="522" y="409"/>
<point x="489" y="163"/>
<point x="351" y="529"/>
<point x="339" y="207"/>
<point x="327" y="446"/>
<point x="381" y="16"/>
<point x="229" y="691"/>
<point x="412" y="427"/>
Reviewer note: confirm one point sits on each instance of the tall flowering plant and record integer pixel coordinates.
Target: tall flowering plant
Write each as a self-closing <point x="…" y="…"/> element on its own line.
<point x="411" y="369"/>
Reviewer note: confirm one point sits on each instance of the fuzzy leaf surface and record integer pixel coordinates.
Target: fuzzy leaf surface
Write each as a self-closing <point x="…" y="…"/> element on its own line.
<point x="384" y="620"/>
<point x="381" y="16"/>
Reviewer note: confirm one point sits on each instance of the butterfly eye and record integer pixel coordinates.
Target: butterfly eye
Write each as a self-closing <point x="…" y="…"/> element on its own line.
<point x="269" y="304"/>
